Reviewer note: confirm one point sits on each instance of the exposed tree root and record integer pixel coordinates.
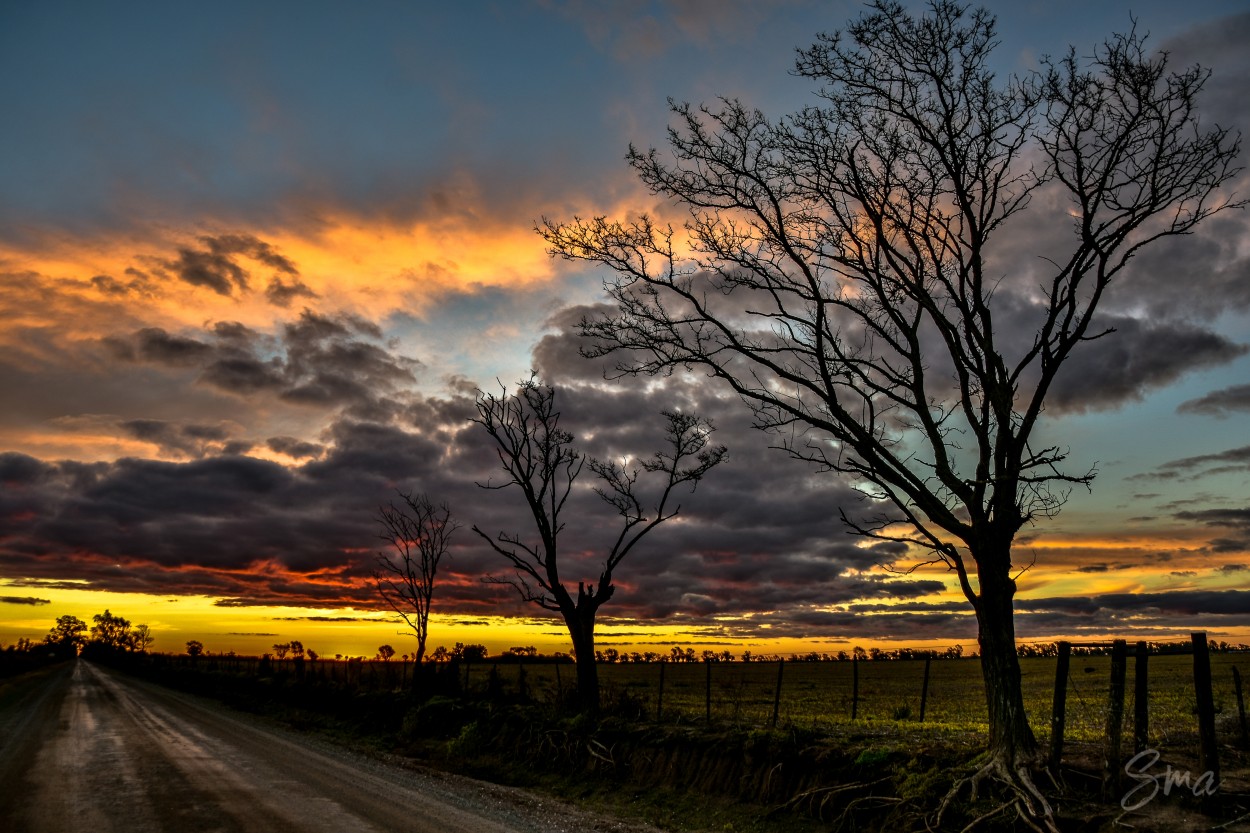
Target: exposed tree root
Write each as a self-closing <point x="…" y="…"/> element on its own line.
<point x="1023" y="794"/>
<point x="819" y="799"/>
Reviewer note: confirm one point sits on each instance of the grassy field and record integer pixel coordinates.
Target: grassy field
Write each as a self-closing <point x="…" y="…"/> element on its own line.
<point x="816" y="694"/>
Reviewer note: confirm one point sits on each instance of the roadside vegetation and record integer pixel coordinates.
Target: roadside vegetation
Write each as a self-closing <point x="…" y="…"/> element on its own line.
<point x="514" y="719"/>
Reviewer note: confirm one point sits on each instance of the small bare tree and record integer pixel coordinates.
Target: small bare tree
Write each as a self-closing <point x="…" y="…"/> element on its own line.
<point x="539" y="459"/>
<point x="419" y="534"/>
<point x="143" y="638"/>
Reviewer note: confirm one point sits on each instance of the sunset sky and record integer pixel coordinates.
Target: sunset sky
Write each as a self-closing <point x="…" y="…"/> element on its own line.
<point x="256" y="259"/>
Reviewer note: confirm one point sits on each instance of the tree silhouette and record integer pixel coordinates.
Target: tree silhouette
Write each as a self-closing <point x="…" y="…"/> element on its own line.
<point x="111" y="633"/>
<point x="840" y="269"/>
<point x="142" y="637"/>
<point x="540" y="460"/>
<point x="385" y="652"/>
<point x="281" y="649"/>
<point x="69" y="633"/>
<point x="419" y="534"/>
<point x="194" y="648"/>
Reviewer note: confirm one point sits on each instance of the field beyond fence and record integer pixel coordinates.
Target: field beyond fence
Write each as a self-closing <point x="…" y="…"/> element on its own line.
<point x="811" y="694"/>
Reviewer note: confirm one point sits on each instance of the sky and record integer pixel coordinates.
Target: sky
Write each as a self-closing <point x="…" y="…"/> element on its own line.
<point x="256" y="260"/>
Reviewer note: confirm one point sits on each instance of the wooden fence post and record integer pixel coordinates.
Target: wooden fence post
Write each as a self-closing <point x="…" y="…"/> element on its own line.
<point x="781" y="667"/>
<point x="854" y="687"/>
<point x="1241" y="708"/>
<point x="659" y="700"/>
<point x="924" y="688"/>
<point x="1210" y="756"/>
<point x="1141" y="699"/>
<point x="1115" y="721"/>
<point x="1059" y="706"/>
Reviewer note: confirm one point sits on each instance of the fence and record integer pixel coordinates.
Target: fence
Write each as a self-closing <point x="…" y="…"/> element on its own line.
<point x="1148" y="702"/>
<point x="1173" y="703"/>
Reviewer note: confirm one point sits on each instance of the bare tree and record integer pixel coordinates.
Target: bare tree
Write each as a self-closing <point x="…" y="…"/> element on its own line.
<point x="142" y="637"/>
<point x="539" y="459"/>
<point x="842" y="270"/>
<point x="419" y="534"/>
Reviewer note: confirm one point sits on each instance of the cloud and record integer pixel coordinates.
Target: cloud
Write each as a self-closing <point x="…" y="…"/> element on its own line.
<point x="1181" y="602"/>
<point x="325" y="361"/>
<point x="760" y="534"/>
<point x="153" y="344"/>
<point x="216" y="264"/>
<point x="1198" y="466"/>
<point x="1139" y="356"/>
<point x="187" y="439"/>
<point x="370" y="618"/>
<point x="1218" y="403"/>
<point x="1219" y="517"/>
<point x="292" y="447"/>
<point x="282" y="294"/>
<point x="24" y="600"/>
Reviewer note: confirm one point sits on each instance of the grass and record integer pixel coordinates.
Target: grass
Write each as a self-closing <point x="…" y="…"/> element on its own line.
<point x="819" y="694"/>
<point x="885" y="769"/>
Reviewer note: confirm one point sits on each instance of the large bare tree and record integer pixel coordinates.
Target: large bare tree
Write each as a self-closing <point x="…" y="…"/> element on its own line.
<point x="539" y="458"/>
<point x="418" y="533"/>
<point x="845" y="270"/>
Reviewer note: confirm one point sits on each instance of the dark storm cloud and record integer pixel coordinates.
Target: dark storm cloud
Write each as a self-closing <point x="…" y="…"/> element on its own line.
<point x="1219" y="517"/>
<point x="292" y="447"/>
<point x="155" y="345"/>
<point x="1188" y="469"/>
<point x="1218" y="403"/>
<point x="108" y="285"/>
<point x="187" y="439"/>
<point x="760" y="535"/>
<point x="374" y="618"/>
<point x="281" y="294"/>
<point x="314" y="360"/>
<point x="1180" y="603"/>
<point x="215" y="263"/>
<point x="1144" y="615"/>
<point x="1207" y="273"/>
<point x="241" y="529"/>
<point x="1139" y="356"/>
<point x="1232" y="459"/>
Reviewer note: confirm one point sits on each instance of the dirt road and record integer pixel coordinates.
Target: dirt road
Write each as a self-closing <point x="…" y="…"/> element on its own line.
<point x="88" y="749"/>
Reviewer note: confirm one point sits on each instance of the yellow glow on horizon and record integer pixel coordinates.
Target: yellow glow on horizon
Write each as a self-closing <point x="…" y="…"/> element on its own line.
<point x="351" y="632"/>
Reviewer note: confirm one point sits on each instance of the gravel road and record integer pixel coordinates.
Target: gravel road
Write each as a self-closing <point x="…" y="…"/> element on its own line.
<point x="92" y="750"/>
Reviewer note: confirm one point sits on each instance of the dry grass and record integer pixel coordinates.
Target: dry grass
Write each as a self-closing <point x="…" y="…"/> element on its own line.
<point x="819" y="694"/>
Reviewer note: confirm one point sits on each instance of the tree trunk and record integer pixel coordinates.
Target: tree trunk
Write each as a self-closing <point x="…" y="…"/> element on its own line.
<point x="1014" y="753"/>
<point x="581" y="625"/>
<point x="1011" y="738"/>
